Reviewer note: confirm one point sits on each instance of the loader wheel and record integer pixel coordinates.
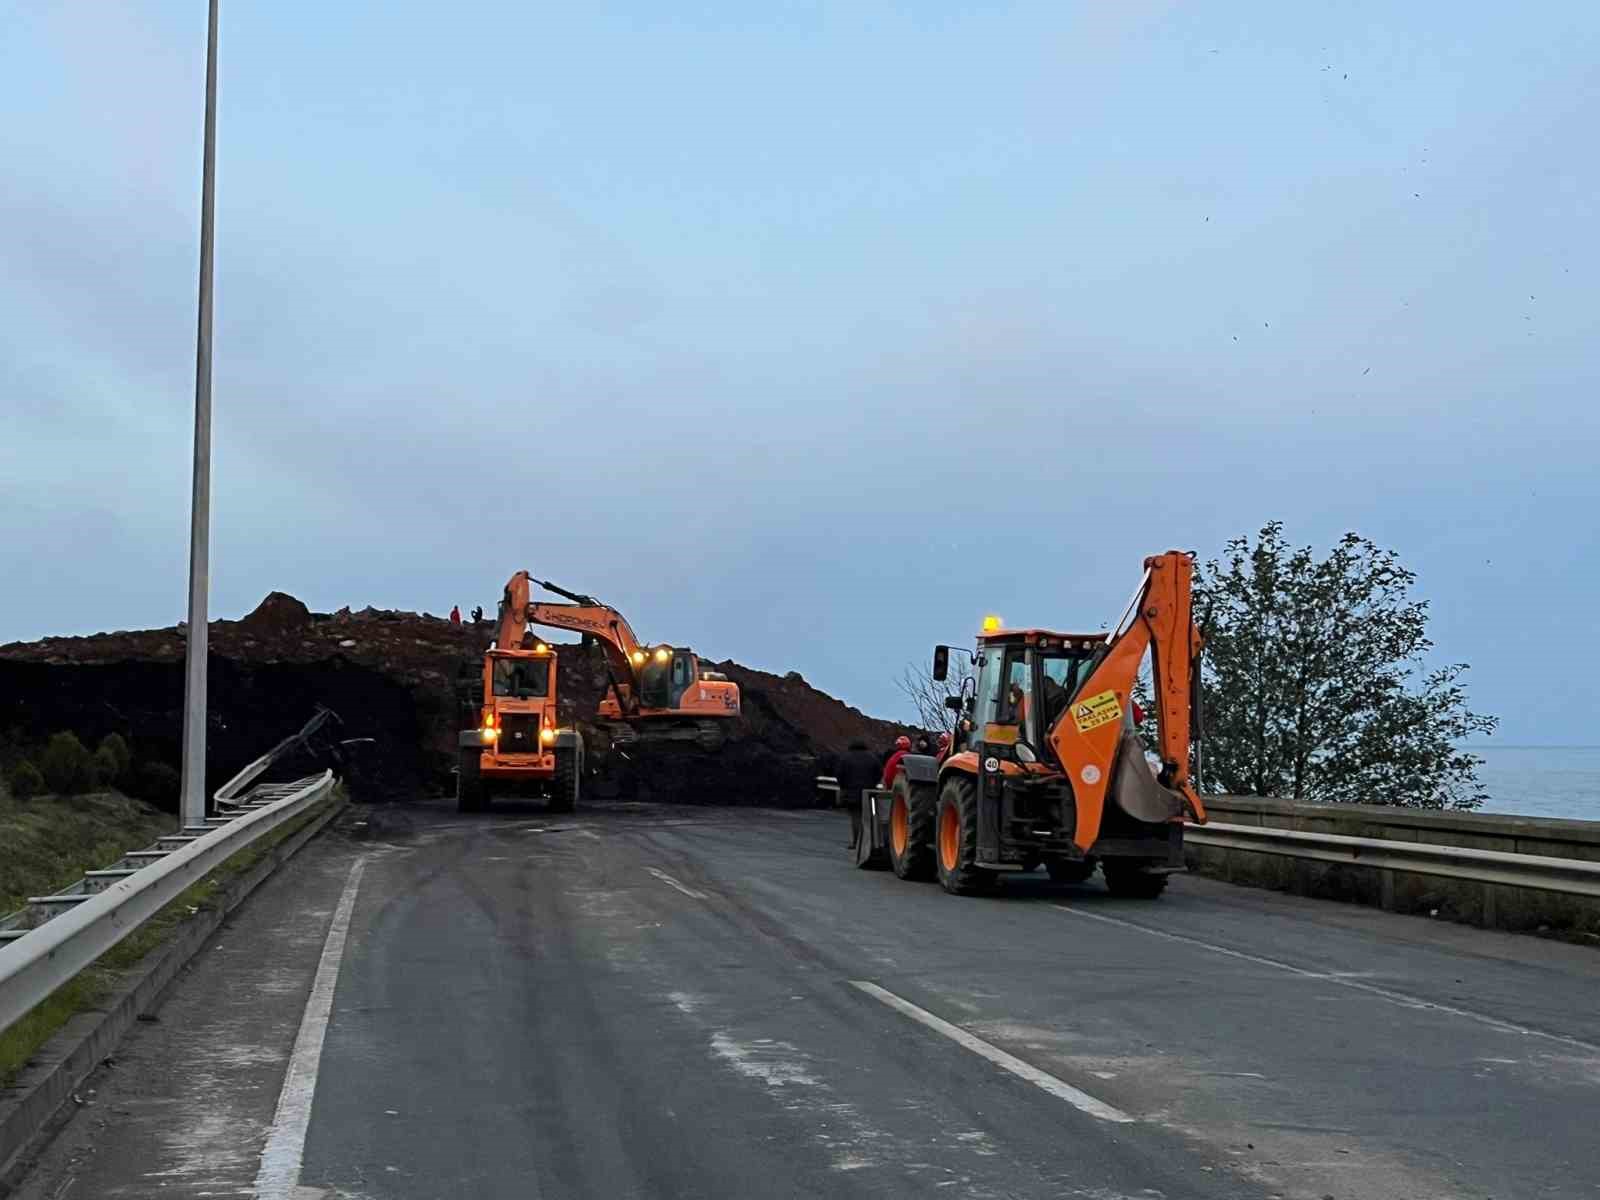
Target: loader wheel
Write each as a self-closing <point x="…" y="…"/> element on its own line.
<point x="911" y="830"/>
<point x="1066" y="870"/>
<point x="1134" y="880"/>
<point x="564" y="787"/>
<point x="958" y="840"/>
<point x="469" y="782"/>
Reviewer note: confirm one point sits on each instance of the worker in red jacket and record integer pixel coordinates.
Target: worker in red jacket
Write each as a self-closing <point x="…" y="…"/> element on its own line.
<point x="902" y="747"/>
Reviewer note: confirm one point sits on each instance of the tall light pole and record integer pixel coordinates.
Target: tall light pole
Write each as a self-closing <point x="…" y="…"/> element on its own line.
<point x="194" y="691"/>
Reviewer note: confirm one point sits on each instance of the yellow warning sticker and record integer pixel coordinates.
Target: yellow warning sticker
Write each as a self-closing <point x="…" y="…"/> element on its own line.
<point x="1096" y="711"/>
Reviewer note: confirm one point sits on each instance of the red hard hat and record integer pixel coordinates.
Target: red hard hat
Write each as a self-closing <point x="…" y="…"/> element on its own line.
<point x="902" y="743"/>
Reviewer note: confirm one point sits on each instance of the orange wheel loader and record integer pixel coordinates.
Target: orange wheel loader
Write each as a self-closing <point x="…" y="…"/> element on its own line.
<point x="1046" y="766"/>
<point x="518" y="745"/>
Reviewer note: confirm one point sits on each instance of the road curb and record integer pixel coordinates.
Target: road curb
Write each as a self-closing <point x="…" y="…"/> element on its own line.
<point x="41" y="1102"/>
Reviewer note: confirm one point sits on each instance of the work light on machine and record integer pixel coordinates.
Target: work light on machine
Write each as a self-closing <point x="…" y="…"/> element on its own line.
<point x="638" y="658"/>
<point x="662" y="654"/>
<point x="547" y="736"/>
<point x="541" y="648"/>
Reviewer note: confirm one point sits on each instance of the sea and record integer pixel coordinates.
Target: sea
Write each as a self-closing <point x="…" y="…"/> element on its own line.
<point x="1541" y="781"/>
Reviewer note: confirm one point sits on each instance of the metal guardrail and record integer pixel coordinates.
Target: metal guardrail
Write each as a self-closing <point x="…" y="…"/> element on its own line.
<point x="1571" y="876"/>
<point x="53" y="938"/>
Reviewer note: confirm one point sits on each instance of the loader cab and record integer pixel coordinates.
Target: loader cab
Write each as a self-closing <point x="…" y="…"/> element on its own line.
<point x="521" y="676"/>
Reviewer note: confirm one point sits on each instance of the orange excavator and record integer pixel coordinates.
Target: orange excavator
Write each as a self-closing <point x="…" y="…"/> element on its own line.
<point x="656" y="694"/>
<point x="1046" y="765"/>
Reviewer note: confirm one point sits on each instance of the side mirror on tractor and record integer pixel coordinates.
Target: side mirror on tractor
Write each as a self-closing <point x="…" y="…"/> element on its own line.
<point x="941" y="663"/>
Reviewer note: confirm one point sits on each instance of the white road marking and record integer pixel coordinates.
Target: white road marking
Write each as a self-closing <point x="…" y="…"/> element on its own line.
<point x="1043" y="1080"/>
<point x="1340" y="979"/>
<point x="279" y="1176"/>
<point x="673" y="883"/>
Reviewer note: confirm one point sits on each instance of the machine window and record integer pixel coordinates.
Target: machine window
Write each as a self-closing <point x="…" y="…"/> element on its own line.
<point x="522" y="680"/>
<point x="1016" y="699"/>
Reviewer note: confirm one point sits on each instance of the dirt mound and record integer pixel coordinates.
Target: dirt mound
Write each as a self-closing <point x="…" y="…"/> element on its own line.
<point x="393" y="677"/>
<point x="278" y="613"/>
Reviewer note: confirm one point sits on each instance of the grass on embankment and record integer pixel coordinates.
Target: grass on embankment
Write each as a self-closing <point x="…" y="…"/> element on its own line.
<point x="94" y="984"/>
<point x="49" y="842"/>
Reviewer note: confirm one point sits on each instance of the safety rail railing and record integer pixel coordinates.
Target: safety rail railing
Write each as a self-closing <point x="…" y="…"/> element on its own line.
<point x="1571" y="876"/>
<point x="53" y="938"/>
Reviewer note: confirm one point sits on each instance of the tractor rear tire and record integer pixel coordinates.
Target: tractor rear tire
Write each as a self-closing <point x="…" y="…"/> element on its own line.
<point x="469" y="782"/>
<point x="1134" y="880"/>
<point x="1066" y="870"/>
<point x="564" y="787"/>
<point x="956" y="850"/>
<point x="911" y="813"/>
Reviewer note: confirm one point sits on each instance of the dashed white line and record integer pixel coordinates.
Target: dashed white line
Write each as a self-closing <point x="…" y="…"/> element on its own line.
<point x="1043" y="1080"/>
<point x="1340" y="979"/>
<point x="673" y="883"/>
<point x="279" y="1176"/>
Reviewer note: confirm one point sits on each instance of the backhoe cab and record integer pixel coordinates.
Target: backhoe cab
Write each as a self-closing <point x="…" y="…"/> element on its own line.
<point x="1046" y="766"/>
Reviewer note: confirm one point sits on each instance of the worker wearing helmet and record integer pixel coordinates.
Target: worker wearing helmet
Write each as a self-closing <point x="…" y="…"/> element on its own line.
<point x="902" y="747"/>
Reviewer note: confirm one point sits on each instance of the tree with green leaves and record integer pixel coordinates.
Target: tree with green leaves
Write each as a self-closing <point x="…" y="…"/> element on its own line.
<point x="1317" y="681"/>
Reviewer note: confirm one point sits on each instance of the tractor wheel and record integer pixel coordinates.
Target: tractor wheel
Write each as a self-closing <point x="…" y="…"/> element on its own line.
<point x="1134" y="880"/>
<point x="469" y="782"/>
<point x="911" y="830"/>
<point x="564" y="787"/>
<point x="1066" y="870"/>
<point x="957" y="844"/>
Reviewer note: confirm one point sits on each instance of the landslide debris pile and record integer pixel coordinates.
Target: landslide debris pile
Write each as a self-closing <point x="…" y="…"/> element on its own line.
<point x="392" y="676"/>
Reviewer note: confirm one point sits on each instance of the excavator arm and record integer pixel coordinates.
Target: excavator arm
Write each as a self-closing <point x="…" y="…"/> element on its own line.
<point x="585" y="614"/>
<point x="1092" y="733"/>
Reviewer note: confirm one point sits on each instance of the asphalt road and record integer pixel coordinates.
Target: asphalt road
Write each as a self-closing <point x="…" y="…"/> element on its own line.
<point x="680" y="1002"/>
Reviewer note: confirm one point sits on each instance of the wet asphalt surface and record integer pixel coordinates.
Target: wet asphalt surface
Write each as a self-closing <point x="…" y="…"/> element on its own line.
<point x="670" y="1002"/>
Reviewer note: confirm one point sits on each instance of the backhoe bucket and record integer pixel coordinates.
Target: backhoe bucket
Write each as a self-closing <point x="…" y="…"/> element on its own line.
<point x="1136" y="791"/>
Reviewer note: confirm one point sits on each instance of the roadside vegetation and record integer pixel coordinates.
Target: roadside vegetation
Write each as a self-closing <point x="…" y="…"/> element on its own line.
<point x="116" y="816"/>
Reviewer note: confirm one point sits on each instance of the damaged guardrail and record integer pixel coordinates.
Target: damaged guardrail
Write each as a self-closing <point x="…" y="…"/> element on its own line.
<point x="53" y="938"/>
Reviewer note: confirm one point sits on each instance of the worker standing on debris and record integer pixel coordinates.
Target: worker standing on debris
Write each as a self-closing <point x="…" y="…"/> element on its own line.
<point x="856" y="772"/>
<point x="902" y="747"/>
<point x="455" y="615"/>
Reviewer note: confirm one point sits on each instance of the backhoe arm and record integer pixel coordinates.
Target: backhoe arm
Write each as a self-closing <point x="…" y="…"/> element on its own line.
<point x="1087" y="735"/>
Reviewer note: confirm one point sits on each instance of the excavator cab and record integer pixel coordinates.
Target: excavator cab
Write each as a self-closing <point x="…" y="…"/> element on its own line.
<point x="668" y="672"/>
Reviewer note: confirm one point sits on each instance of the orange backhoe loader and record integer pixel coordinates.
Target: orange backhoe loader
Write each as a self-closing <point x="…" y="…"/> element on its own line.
<point x="518" y="744"/>
<point x="1046" y="766"/>
<point x="656" y="695"/>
